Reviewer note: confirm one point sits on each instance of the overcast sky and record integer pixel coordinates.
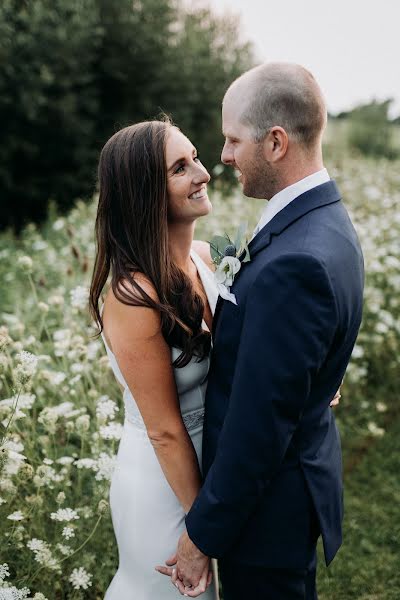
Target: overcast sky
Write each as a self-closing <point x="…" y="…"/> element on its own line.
<point x="351" y="46"/>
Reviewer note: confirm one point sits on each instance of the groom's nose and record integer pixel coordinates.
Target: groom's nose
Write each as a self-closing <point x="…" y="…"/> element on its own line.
<point x="227" y="154"/>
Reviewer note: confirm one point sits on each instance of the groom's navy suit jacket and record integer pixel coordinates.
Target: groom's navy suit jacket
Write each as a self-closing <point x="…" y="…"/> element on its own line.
<point x="271" y="451"/>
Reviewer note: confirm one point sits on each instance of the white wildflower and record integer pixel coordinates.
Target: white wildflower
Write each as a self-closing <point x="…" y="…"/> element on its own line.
<point x="106" y="409"/>
<point x="16" y="516"/>
<point x="65" y="460"/>
<point x="26" y="367"/>
<point x="53" y="377"/>
<point x="105" y="467"/>
<point x="36" y="545"/>
<point x="4" y="337"/>
<point x="12" y="460"/>
<point x="4" y="571"/>
<point x="375" y="430"/>
<point x="112" y="431"/>
<point x="86" y="512"/>
<point x="86" y="463"/>
<point x="60" y="499"/>
<point x="381" y="407"/>
<point x="64" y="514"/>
<point x="358" y="352"/>
<point x="46" y="476"/>
<point x="64" y="549"/>
<point x="43" y="307"/>
<point x="42" y="554"/>
<point x="26" y="263"/>
<point x="39" y="245"/>
<point x="77" y="368"/>
<point x="58" y="224"/>
<point x="80" y="579"/>
<point x="82" y="424"/>
<point x="92" y="350"/>
<point x="62" y="341"/>
<point x="68" y="533"/>
<point x="13" y="593"/>
<point x="55" y="300"/>
<point x="79" y="297"/>
<point x="49" y="417"/>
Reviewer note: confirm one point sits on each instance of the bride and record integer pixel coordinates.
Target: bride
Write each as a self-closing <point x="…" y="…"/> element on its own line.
<point x="155" y="322"/>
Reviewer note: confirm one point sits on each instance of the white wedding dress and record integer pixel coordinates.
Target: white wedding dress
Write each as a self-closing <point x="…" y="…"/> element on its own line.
<point x="146" y="514"/>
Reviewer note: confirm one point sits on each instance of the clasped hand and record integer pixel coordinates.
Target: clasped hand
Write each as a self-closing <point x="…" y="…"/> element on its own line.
<point x="189" y="568"/>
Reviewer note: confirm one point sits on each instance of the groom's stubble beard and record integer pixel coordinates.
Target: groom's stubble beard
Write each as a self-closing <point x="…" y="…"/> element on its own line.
<point x="260" y="177"/>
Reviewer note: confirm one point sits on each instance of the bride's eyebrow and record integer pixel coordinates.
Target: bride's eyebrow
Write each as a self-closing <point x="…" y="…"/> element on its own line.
<point x="181" y="160"/>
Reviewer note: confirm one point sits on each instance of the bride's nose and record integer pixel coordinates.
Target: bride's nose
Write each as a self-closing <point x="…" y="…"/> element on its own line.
<point x="201" y="175"/>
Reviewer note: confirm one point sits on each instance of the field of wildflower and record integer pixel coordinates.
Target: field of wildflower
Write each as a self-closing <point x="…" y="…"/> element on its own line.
<point x="61" y="412"/>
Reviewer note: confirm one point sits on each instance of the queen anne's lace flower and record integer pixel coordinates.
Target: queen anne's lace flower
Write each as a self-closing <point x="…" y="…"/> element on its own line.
<point x="26" y="367"/>
<point x="64" y="514"/>
<point x="79" y="297"/>
<point x="13" y="593"/>
<point x="112" y="431"/>
<point x="106" y="409"/>
<point x="16" y="516"/>
<point x="68" y="533"/>
<point x="80" y="579"/>
<point x="105" y="467"/>
<point x="4" y="571"/>
<point x="26" y="263"/>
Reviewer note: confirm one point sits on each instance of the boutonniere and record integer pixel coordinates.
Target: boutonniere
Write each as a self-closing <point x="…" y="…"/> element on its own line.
<point x="228" y="257"/>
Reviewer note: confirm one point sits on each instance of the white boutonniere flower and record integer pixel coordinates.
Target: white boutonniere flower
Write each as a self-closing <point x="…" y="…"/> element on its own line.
<point x="225" y="255"/>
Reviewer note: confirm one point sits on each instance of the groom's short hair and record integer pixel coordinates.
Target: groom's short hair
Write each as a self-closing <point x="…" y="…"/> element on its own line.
<point x="283" y="94"/>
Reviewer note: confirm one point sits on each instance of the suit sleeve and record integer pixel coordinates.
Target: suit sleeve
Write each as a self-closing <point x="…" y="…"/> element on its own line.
<point x="289" y="324"/>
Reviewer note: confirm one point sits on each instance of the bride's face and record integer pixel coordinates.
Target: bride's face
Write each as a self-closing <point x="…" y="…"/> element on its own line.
<point x="186" y="179"/>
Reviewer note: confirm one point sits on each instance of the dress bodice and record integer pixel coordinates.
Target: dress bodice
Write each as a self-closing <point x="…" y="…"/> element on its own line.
<point x="190" y="380"/>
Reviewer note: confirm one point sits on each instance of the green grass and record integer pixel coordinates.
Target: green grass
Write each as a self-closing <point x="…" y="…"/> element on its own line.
<point x="367" y="565"/>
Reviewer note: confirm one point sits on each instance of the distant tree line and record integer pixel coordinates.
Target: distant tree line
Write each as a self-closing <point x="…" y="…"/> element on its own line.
<point x="72" y="72"/>
<point x="370" y="131"/>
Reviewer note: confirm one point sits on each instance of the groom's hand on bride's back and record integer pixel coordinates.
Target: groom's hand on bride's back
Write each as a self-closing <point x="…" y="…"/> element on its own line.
<point x="336" y="399"/>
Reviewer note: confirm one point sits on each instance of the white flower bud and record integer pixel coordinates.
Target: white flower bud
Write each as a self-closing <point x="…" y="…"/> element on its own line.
<point x="26" y="263"/>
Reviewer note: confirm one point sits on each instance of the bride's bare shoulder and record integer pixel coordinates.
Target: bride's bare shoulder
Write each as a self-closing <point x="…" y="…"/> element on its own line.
<point x="203" y="250"/>
<point x="126" y="319"/>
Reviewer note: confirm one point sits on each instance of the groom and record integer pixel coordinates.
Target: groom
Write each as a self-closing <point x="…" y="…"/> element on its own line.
<point x="271" y="450"/>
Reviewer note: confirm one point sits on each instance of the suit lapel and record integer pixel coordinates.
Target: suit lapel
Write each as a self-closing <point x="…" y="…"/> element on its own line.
<point x="322" y="195"/>
<point x="218" y="307"/>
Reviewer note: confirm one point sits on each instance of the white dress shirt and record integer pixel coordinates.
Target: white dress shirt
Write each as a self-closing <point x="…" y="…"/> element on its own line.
<point x="285" y="196"/>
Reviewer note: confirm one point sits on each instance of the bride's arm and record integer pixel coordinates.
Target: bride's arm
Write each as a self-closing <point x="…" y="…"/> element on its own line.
<point x="145" y="362"/>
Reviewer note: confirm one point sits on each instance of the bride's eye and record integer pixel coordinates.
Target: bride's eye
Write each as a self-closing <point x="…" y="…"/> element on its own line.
<point x="179" y="168"/>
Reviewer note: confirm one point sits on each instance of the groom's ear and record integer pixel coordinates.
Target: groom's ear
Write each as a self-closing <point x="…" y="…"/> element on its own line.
<point x="275" y="144"/>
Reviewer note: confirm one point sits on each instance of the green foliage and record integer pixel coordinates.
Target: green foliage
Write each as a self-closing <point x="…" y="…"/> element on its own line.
<point x="74" y="71"/>
<point x="370" y="131"/>
<point x="48" y="105"/>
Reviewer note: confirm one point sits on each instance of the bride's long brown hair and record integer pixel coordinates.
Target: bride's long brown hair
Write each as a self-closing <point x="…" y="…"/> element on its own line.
<point x="132" y="237"/>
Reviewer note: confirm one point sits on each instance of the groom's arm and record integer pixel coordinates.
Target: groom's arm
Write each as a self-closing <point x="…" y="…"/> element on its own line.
<point x="289" y="324"/>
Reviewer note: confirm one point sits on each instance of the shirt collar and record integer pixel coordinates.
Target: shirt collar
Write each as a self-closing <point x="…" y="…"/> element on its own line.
<point x="285" y="196"/>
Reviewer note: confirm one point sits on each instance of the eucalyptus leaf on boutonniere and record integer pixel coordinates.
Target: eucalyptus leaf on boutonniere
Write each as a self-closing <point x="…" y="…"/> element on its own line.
<point x="228" y="257"/>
